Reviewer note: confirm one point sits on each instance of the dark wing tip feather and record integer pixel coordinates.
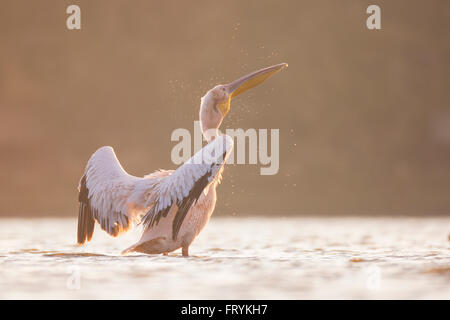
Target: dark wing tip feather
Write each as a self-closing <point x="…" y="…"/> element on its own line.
<point x="86" y="222"/>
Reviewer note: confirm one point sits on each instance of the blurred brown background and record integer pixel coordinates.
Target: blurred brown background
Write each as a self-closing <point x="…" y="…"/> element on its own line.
<point x="364" y="116"/>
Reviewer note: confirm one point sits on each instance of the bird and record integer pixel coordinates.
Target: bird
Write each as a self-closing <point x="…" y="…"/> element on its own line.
<point x="173" y="206"/>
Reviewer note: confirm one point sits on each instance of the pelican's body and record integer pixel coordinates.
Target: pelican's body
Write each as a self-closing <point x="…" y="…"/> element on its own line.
<point x="173" y="205"/>
<point x="158" y="239"/>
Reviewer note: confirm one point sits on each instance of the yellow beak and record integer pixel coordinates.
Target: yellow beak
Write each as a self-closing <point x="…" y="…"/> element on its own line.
<point x="247" y="82"/>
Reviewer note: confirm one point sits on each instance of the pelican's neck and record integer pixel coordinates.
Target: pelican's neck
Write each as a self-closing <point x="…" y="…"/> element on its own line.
<point x="210" y="118"/>
<point x="210" y="134"/>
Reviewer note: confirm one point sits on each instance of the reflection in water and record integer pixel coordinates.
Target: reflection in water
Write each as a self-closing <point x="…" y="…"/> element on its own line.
<point x="242" y="258"/>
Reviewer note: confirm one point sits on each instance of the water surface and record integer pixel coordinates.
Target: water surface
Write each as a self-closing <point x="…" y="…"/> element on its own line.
<point x="233" y="258"/>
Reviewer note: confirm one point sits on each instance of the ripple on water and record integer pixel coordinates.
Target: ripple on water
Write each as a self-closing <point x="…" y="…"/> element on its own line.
<point x="73" y="255"/>
<point x="288" y="258"/>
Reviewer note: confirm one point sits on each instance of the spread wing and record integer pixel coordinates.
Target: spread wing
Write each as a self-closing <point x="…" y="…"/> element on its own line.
<point x="118" y="200"/>
<point x="106" y="195"/>
<point x="184" y="186"/>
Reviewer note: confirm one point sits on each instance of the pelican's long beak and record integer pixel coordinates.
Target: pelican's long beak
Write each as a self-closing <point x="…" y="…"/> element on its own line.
<point x="253" y="79"/>
<point x="247" y="82"/>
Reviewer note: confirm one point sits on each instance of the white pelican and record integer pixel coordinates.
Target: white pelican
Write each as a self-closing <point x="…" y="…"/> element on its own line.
<point x="173" y="205"/>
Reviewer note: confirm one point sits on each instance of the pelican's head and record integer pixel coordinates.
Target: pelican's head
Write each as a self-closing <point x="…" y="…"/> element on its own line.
<point x="216" y="102"/>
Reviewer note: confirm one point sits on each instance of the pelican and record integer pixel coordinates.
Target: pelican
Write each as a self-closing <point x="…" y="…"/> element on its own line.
<point x="172" y="205"/>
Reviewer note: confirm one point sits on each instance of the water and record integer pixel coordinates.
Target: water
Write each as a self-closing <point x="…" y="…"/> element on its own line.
<point x="234" y="258"/>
